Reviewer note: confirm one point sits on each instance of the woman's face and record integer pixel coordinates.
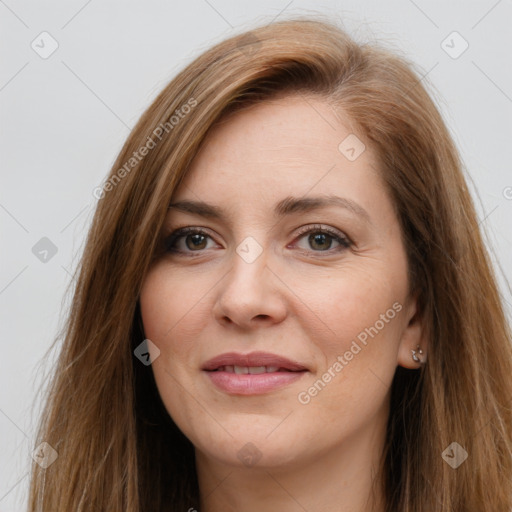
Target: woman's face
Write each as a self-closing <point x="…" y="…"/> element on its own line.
<point x="280" y="324"/>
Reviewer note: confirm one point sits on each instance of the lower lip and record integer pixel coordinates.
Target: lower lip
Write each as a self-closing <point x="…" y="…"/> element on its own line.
<point x="248" y="384"/>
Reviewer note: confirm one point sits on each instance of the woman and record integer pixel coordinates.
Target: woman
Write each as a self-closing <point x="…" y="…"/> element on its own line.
<point x="284" y="300"/>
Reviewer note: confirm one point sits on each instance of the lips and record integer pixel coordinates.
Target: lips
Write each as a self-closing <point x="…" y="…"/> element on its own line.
<point x="237" y="363"/>
<point x="252" y="374"/>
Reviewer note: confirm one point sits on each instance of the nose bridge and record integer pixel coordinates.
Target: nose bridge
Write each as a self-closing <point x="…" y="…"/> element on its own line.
<point x="249" y="262"/>
<point x="249" y="289"/>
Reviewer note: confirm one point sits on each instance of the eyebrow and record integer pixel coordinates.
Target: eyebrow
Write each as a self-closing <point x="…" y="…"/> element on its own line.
<point x="287" y="206"/>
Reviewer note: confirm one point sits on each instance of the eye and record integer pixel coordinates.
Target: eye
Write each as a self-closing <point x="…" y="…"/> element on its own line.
<point x="322" y="238"/>
<point x="194" y="240"/>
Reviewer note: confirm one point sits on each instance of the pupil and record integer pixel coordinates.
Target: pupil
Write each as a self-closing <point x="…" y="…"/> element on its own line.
<point x="196" y="240"/>
<point x="314" y="238"/>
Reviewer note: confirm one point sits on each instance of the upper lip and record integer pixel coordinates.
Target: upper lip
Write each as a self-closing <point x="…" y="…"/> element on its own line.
<point x="252" y="359"/>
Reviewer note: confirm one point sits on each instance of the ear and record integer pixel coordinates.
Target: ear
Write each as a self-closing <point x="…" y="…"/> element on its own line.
<point x="413" y="335"/>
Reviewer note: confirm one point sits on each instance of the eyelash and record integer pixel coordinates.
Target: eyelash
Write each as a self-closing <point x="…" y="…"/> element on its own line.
<point x="344" y="241"/>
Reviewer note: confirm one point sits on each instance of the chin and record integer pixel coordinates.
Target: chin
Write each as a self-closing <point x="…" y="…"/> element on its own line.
<point x="252" y="448"/>
<point x="245" y="454"/>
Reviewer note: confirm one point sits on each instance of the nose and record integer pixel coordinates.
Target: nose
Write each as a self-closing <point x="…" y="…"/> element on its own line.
<point x="250" y="295"/>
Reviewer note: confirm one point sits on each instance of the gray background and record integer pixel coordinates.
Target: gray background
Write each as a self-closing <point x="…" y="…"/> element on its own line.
<point x="65" y="117"/>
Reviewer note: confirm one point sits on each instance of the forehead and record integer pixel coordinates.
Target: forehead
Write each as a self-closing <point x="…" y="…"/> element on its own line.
<point x="289" y="146"/>
<point x="299" y="126"/>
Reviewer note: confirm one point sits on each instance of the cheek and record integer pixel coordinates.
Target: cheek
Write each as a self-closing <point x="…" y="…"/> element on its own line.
<point x="361" y="314"/>
<point x="175" y="314"/>
<point x="358" y="357"/>
<point x="349" y="305"/>
<point x="170" y="304"/>
<point x="164" y="315"/>
<point x="171" y="321"/>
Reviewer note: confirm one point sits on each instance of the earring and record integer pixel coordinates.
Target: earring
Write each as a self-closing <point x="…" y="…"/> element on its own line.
<point x="415" y="357"/>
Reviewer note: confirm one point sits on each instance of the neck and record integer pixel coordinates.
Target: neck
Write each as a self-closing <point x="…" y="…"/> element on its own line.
<point x="345" y="479"/>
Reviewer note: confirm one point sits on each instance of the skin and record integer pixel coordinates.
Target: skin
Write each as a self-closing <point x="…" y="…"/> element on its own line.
<point x="304" y="298"/>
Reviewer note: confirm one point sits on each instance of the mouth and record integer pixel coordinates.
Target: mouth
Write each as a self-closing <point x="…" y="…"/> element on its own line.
<point x="254" y="373"/>
<point x="253" y="370"/>
<point x="234" y="362"/>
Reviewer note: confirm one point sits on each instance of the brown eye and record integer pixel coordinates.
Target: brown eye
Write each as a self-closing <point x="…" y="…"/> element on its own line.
<point x="320" y="239"/>
<point x="194" y="240"/>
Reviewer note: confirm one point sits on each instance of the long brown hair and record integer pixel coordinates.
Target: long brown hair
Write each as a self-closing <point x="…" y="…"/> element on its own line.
<point x="118" y="449"/>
